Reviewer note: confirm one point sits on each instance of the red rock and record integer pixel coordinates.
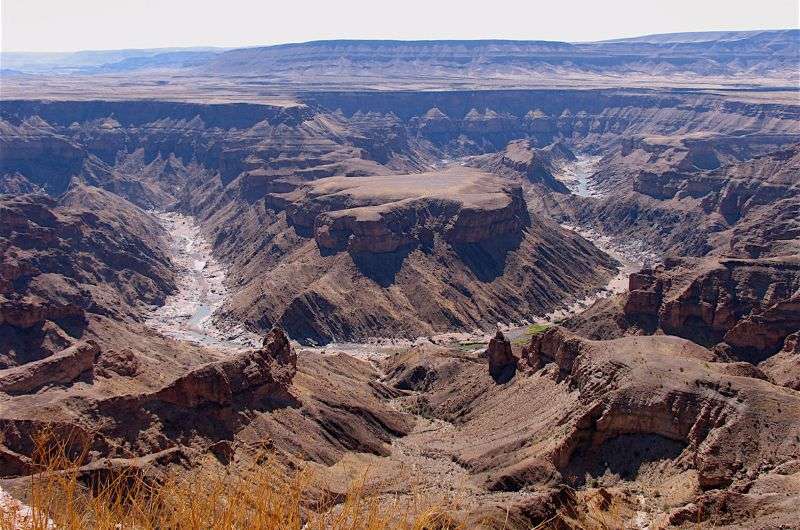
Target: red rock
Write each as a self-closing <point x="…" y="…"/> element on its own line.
<point x="61" y="368"/>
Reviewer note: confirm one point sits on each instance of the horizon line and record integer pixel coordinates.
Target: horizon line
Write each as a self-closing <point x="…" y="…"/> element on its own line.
<point x="211" y="47"/>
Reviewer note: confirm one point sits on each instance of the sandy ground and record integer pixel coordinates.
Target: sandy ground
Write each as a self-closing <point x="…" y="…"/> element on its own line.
<point x="189" y="314"/>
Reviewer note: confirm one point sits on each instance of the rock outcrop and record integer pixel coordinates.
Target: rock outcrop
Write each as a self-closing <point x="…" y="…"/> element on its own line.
<point x="502" y="362"/>
<point x="59" y="369"/>
<point x="91" y="253"/>
<point x="522" y="161"/>
<point x="384" y="214"/>
<point x="229" y="407"/>
<point x="745" y="307"/>
<point x="650" y="413"/>
<point x="700" y="408"/>
<point x="263" y="370"/>
<point x="784" y="367"/>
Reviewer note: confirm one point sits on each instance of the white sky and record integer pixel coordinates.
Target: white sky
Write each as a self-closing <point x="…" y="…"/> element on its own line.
<point x="69" y="25"/>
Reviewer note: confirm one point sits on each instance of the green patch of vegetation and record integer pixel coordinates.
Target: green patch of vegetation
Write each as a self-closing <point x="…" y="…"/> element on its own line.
<point x="471" y="346"/>
<point x="532" y="331"/>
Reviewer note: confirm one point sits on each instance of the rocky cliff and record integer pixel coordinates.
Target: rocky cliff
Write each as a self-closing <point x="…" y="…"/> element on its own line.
<point x="221" y="409"/>
<point x="746" y="307"/>
<point x="407" y="255"/>
<point x="90" y="253"/>
<point x="383" y="214"/>
<point x="617" y="418"/>
<point x="742" y="202"/>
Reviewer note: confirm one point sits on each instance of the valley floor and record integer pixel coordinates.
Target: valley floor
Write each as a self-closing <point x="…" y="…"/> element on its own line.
<point x="188" y="314"/>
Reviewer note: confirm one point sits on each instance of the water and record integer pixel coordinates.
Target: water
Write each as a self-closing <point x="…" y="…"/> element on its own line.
<point x="188" y="314"/>
<point x="576" y="176"/>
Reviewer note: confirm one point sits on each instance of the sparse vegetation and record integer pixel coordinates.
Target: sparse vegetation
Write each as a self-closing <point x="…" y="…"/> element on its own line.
<point x="468" y="346"/>
<point x="531" y="331"/>
<point x="264" y="497"/>
<point x="592" y="509"/>
<point x="419" y="405"/>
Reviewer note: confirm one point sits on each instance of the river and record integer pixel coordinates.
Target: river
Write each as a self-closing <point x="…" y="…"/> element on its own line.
<point x="189" y="313"/>
<point x="576" y="175"/>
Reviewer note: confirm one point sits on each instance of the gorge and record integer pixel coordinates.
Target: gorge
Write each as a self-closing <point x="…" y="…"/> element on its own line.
<point x="537" y="301"/>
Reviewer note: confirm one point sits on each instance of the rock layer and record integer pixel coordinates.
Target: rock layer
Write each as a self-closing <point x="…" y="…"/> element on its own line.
<point x="747" y="307"/>
<point x="384" y="214"/>
<point x="62" y="368"/>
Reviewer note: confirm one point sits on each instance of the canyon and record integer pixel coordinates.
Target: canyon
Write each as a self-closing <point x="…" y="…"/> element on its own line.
<point x="536" y="303"/>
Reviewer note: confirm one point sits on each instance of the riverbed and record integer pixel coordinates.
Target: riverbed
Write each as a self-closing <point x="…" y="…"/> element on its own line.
<point x="189" y="313"/>
<point x="576" y="175"/>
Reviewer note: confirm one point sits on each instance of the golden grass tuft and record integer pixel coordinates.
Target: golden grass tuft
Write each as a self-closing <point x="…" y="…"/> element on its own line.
<point x="265" y="496"/>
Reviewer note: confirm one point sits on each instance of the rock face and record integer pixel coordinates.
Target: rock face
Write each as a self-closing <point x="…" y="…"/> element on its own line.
<point x="345" y="283"/>
<point x="61" y="368"/>
<point x="218" y="406"/>
<point x="521" y="160"/>
<point x="553" y="347"/>
<point x="62" y="263"/>
<point x="711" y="425"/>
<point x="784" y="367"/>
<point x="384" y="214"/>
<point x="649" y="411"/>
<point x="746" y="307"/>
<point x="267" y="369"/>
<point x="718" y="196"/>
<point x="502" y="362"/>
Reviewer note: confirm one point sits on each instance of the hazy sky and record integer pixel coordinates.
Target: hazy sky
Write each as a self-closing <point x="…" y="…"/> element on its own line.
<point x="68" y="25"/>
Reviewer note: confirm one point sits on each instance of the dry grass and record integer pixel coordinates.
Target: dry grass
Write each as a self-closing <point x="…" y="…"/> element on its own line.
<point x="264" y="497"/>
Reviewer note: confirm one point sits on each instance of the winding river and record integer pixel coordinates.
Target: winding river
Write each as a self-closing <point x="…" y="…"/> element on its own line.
<point x="188" y="314"/>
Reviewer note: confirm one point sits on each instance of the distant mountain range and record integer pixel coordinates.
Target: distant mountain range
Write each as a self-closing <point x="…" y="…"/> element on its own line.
<point x="772" y="53"/>
<point x="103" y="61"/>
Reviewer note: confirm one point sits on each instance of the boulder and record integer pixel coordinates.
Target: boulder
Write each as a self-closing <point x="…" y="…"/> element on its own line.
<point x="117" y="362"/>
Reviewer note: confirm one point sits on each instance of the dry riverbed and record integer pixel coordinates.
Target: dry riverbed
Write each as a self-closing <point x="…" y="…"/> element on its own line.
<point x="189" y="314"/>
